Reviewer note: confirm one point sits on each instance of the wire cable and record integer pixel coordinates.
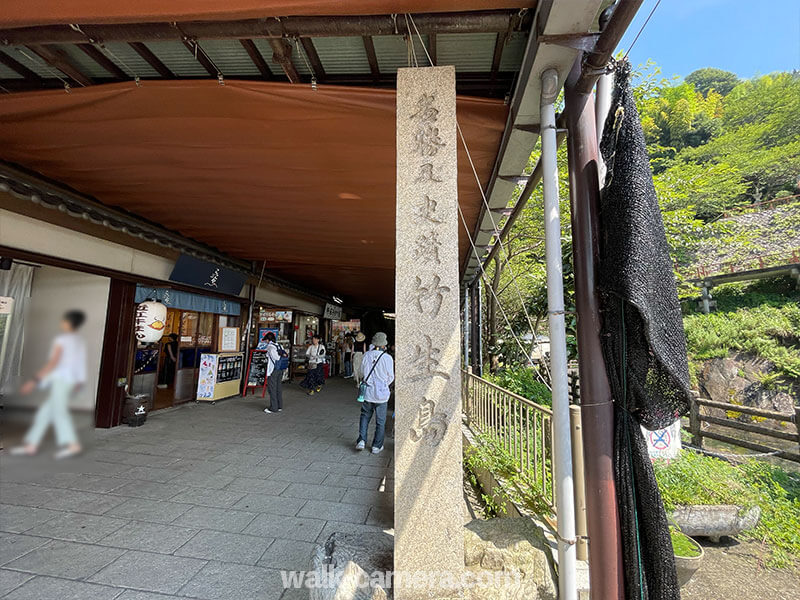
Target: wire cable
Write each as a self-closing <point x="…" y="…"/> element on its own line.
<point x="641" y="29"/>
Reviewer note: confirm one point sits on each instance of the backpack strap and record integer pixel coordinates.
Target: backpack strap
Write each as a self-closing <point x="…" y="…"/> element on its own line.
<point x="375" y="364"/>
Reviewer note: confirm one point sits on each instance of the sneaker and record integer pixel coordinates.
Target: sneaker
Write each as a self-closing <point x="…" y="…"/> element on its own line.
<point x="377" y="450"/>
<point x="268" y="411"/>
<point x="280" y="410"/>
<point x="310" y="393"/>
<point x="66" y="453"/>
<point x="24" y="451"/>
<point x="319" y="389"/>
<point x="360" y="445"/>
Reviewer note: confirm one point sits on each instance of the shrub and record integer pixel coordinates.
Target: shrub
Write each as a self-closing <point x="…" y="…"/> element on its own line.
<point x="524" y="382"/>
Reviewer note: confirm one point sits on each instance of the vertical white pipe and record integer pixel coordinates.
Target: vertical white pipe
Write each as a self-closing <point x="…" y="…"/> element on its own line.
<point x="562" y="450"/>
<point x="602" y="105"/>
<point x="465" y="322"/>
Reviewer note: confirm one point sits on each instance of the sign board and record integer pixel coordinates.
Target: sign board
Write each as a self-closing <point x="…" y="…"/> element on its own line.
<point x="332" y="311"/>
<point x="207" y="275"/>
<point x="6" y="304"/>
<point x="272" y="316"/>
<point x="262" y="336"/>
<point x="257" y="372"/>
<point x="664" y="443"/>
<point x="228" y="339"/>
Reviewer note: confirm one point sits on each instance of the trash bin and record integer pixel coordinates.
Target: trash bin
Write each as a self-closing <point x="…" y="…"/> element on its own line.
<point x="134" y="413"/>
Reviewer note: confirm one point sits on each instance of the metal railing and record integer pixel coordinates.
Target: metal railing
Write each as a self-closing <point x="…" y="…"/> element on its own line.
<point x="521" y="427"/>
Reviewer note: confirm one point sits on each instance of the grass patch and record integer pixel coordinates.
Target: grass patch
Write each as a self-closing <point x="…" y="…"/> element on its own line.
<point x="695" y="479"/>
<point x="522" y="381"/>
<point x="683" y="545"/>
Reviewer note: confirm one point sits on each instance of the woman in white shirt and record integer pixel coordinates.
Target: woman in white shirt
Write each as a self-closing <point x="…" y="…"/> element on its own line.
<point x="315" y="378"/>
<point x="378" y="371"/>
<point x="63" y="374"/>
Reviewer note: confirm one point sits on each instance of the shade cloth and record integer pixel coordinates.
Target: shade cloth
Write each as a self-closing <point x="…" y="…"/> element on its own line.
<point x="304" y="179"/>
<point x="24" y="13"/>
<point x="15" y="283"/>
<point x="187" y="300"/>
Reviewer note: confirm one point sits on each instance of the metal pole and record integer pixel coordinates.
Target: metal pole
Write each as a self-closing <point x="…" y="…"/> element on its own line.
<point x="562" y="449"/>
<point x="602" y="106"/>
<point x="605" y="550"/>
<point x="465" y="325"/>
<point x="582" y="548"/>
<point x="476" y="358"/>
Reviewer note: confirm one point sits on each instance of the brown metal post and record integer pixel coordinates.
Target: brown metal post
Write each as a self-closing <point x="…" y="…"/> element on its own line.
<point x="597" y="412"/>
<point x="476" y="359"/>
<point x="694" y="421"/>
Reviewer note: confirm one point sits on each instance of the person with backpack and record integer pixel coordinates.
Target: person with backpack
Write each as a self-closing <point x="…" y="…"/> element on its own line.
<point x="315" y="377"/>
<point x="277" y="361"/>
<point x="378" y="369"/>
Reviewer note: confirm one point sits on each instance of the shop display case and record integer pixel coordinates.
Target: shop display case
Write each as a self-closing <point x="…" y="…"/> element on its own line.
<point x="220" y="376"/>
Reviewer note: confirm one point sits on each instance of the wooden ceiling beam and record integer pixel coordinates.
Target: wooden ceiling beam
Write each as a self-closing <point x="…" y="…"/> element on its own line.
<point x="490" y="21"/>
<point x="432" y="47"/>
<point x="58" y="59"/>
<point x="200" y="56"/>
<point x="369" y="47"/>
<point x="257" y="58"/>
<point x="152" y="60"/>
<point x="29" y="76"/>
<point x="282" y="54"/>
<point x="104" y="61"/>
<point x="313" y="57"/>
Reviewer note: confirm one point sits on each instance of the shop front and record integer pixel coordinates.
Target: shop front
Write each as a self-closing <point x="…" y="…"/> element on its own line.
<point x="166" y="371"/>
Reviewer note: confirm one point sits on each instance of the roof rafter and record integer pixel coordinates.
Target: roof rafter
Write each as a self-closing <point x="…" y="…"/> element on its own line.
<point x="101" y="59"/>
<point x="369" y="47"/>
<point x="152" y="60"/>
<point x="30" y="76"/>
<point x="282" y="54"/>
<point x="257" y="58"/>
<point x="313" y="57"/>
<point x="200" y="56"/>
<point x="58" y="59"/>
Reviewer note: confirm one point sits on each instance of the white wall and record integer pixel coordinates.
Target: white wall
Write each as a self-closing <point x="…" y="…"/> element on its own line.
<point x="53" y="292"/>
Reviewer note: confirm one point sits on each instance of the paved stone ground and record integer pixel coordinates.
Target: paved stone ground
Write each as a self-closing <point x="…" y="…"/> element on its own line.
<point x="203" y="501"/>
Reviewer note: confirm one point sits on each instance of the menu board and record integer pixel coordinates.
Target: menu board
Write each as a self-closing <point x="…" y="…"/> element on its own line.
<point x="229" y="368"/>
<point x="258" y="369"/>
<point x="229" y="339"/>
<point x="207" y="376"/>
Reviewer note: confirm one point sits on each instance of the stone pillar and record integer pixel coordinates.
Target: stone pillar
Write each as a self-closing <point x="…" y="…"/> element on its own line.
<point x="429" y="534"/>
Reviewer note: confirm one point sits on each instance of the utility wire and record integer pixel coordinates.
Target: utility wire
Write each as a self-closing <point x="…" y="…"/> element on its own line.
<point x="641" y="29"/>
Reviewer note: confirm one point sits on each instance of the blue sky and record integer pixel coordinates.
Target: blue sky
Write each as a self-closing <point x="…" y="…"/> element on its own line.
<point x="748" y="37"/>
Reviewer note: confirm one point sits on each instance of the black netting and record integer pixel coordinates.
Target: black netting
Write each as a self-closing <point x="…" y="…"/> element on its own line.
<point x="643" y="342"/>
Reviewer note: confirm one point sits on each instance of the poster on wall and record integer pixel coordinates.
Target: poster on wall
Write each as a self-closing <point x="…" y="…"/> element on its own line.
<point x="207" y="376"/>
<point x="229" y="339"/>
<point x="274" y="316"/>
<point x="262" y="336"/>
<point x="332" y="311"/>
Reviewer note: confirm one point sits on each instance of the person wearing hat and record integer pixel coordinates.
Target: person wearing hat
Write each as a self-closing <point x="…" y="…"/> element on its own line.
<point x="378" y="370"/>
<point x="359" y="348"/>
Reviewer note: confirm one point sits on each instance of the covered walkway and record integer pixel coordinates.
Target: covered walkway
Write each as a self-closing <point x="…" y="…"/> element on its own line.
<point x="202" y="501"/>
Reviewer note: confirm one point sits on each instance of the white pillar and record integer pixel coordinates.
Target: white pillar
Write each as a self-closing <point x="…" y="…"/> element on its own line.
<point x="429" y="534"/>
<point x="601" y="107"/>
<point x="562" y="450"/>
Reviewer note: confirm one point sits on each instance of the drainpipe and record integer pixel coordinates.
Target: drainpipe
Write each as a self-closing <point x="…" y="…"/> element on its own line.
<point x="562" y="449"/>
<point x="602" y="106"/>
<point x="597" y="411"/>
<point x="465" y="325"/>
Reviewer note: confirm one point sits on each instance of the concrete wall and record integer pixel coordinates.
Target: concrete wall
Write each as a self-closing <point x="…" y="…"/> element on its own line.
<point x="53" y="292"/>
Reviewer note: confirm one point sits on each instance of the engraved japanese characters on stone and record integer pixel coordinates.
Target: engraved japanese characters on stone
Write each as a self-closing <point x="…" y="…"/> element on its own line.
<point x="425" y="361"/>
<point x="426" y="111"/>
<point x="430" y="426"/>
<point x="427" y="174"/>
<point x="426" y="247"/>
<point x="429" y="298"/>
<point x="425" y="210"/>
<point x="427" y="140"/>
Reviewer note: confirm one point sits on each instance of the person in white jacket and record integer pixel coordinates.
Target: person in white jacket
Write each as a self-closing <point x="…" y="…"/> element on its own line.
<point x="377" y="368"/>
<point x="315" y="378"/>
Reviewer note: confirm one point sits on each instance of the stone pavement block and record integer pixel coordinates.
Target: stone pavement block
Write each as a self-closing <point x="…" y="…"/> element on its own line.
<point x="156" y="511"/>
<point x="295" y="476"/>
<point x="369" y="498"/>
<point x="149" y="572"/>
<point x="238" y="458"/>
<point x="214" y="481"/>
<point x="380" y="472"/>
<point x="277" y="505"/>
<point x="16" y="519"/>
<point x="152" y="461"/>
<point x="381" y="517"/>
<point x="252" y="471"/>
<point x="340" y="468"/>
<point x="13" y="546"/>
<point x="285" y="463"/>
<point x="288" y="555"/>
<point x="95" y="483"/>
<point x="77" y="527"/>
<point x="152" y="537"/>
<point x="333" y="511"/>
<point x="10" y="580"/>
<point x="49" y="588"/>
<point x="65" y="559"/>
<point x="148" y="489"/>
<point x="203" y="517"/>
<point x="258" y="486"/>
<point x="200" y="466"/>
<point x="224" y="581"/>
<point x="292" y="528"/>
<point x="315" y="492"/>
<point x="296" y="594"/>
<point x="84" y="502"/>
<point x="145" y="473"/>
<point x="273" y="452"/>
<point x="225" y="547"/>
<point x="337" y="527"/>
<point x="353" y="481"/>
<point x="111" y="456"/>
<point x="136" y="595"/>
<point x="27" y="495"/>
<point x="212" y="498"/>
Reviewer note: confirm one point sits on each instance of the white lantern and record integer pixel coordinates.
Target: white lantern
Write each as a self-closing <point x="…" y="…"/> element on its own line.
<point x="150" y="321"/>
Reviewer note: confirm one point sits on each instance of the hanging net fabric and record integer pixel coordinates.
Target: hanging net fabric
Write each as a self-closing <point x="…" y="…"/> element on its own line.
<point x="643" y="342"/>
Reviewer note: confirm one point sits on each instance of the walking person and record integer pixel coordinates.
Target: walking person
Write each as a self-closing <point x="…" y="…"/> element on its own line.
<point x="348" y="356"/>
<point x="63" y="374"/>
<point x="378" y="369"/>
<point x="274" y="374"/>
<point x="359" y="348"/>
<point x="315" y="378"/>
